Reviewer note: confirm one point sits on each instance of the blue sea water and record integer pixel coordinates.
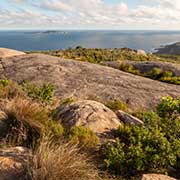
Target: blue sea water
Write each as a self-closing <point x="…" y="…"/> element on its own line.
<point x="47" y="40"/>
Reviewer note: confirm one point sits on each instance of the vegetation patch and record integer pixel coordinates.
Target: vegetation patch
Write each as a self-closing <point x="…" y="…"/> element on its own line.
<point x="116" y="105"/>
<point x="152" y="147"/>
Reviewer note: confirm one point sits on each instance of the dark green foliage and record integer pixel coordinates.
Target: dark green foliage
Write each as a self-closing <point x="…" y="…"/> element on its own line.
<point x="116" y="105"/>
<point x="139" y="149"/>
<point x="152" y="147"/>
<point x="42" y="93"/>
<point x="155" y="73"/>
<point x="168" y="107"/>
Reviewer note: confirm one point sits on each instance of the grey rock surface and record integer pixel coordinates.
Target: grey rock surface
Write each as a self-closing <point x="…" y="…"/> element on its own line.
<point x="84" y="80"/>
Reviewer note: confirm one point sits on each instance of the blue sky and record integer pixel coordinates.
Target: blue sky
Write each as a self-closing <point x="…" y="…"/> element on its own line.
<point x="90" y="14"/>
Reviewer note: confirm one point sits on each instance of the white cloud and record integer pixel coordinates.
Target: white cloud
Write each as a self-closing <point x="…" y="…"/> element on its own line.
<point x="94" y="14"/>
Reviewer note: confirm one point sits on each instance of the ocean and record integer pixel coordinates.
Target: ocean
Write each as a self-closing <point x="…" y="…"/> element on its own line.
<point x="51" y="40"/>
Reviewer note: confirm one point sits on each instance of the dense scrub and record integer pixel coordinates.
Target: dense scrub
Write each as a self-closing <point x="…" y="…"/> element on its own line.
<point x="100" y="55"/>
<point x="152" y="147"/>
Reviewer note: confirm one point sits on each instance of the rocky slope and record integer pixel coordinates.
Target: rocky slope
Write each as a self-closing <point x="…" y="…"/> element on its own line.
<point x="86" y="81"/>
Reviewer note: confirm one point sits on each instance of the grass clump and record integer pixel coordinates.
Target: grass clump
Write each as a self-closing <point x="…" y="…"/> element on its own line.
<point x="25" y="121"/>
<point x="10" y="89"/>
<point x="116" y="105"/>
<point x="63" y="161"/>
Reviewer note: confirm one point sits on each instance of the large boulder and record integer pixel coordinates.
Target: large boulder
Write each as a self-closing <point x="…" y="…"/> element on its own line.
<point x="13" y="162"/>
<point x="128" y="119"/>
<point x="83" y="80"/>
<point x="5" y="52"/>
<point x="156" y="177"/>
<point x="90" y="114"/>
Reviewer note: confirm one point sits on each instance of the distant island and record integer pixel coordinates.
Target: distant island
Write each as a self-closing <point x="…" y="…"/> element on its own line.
<point x="49" y="32"/>
<point x="169" y="49"/>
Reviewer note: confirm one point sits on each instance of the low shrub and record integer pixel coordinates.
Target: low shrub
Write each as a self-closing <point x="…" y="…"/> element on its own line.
<point x="129" y="68"/>
<point x="63" y="161"/>
<point x="116" y="105"/>
<point x="168" y="107"/>
<point x="152" y="147"/>
<point x="171" y="80"/>
<point x="83" y="137"/>
<point x="42" y="93"/>
<point x="155" y="73"/>
<point x="139" y="150"/>
<point x="55" y="129"/>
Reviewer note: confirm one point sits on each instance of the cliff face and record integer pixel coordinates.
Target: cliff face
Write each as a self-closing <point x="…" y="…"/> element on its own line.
<point x="85" y="80"/>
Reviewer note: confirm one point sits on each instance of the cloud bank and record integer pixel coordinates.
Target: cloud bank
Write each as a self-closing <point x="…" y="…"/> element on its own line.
<point x="90" y="14"/>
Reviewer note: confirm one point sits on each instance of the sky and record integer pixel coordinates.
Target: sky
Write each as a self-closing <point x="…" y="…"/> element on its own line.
<point x="90" y="14"/>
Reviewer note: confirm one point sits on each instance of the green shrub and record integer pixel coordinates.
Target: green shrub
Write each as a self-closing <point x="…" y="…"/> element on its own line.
<point x="152" y="147"/>
<point x="168" y="107"/>
<point x="42" y="93"/>
<point x="129" y="68"/>
<point x="83" y="137"/>
<point x="155" y="73"/>
<point x="138" y="149"/>
<point x="55" y="129"/>
<point x="171" y="80"/>
<point x="168" y="74"/>
<point x="116" y="105"/>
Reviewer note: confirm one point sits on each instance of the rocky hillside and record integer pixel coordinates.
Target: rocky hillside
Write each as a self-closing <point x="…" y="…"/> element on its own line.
<point x="169" y="49"/>
<point x="86" y="81"/>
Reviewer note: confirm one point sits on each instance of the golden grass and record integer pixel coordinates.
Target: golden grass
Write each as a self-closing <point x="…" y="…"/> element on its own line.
<point x="25" y="120"/>
<point x="61" y="162"/>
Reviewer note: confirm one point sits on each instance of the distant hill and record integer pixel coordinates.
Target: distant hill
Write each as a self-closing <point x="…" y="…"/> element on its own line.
<point x="169" y="49"/>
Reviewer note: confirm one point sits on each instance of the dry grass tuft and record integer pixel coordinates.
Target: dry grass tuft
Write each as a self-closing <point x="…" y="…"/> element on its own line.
<point x="25" y="120"/>
<point x="10" y="89"/>
<point x="61" y="162"/>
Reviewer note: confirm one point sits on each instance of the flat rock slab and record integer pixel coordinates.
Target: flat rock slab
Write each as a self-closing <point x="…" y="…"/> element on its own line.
<point x="87" y="81"/>
<point x="5" y="52"/>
